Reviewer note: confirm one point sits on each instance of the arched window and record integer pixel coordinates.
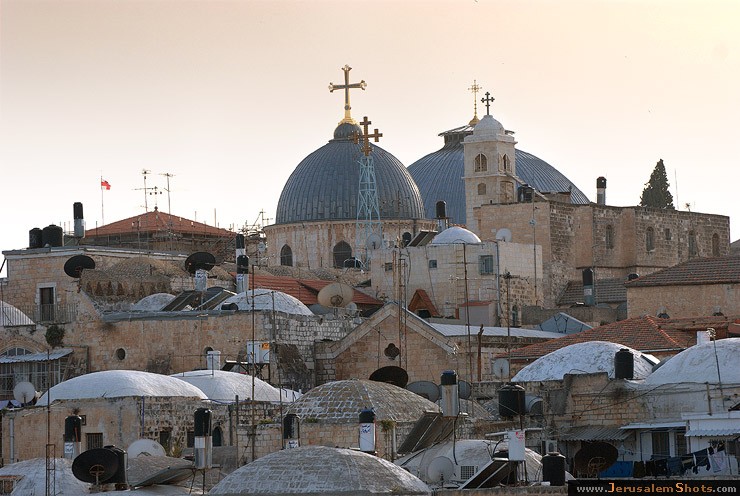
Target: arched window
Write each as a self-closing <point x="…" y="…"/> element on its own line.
<point x="505" y="163"/>
<point x="649" y="239"/>
<point x="286" y="256"/>
<point x="482" y="189"/>
<point x="609" y="237"/>
<point x="715" y="245"/>
<point x="692" y="244"/>
<point x="217" y="436"/>
<point x="342" y="252"/>
<point x="481" y="163"/>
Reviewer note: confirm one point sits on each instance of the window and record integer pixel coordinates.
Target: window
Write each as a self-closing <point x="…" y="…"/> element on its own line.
<point x="692" y="244"/>
<point x="36" y="372"/>
<point x="505" y="163"/>
<point x="217" y="436"/>
<point x="286" y="256"/>
<point x="609" y="237"/>
<point x="342" y="252"/>
<point x="715" y="245"/>
<point x="165" y="438"/>
<point x="661" y="445"/>
<point x="47" y="302"/>
<point x="432" y="264"/>
<point x="650" y="239"/>
<point x="120" y="353"/>
<point x="681" y="447"/>
<point x="388" y="266"/>
<point x="667" y="234"/>
<point x="482" y="189"/>
<point x="94" y="440"/>
<point x="485" y="264"/>
<point x="481" y="163"/>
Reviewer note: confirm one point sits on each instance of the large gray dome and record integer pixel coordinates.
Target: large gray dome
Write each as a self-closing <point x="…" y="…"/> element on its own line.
<point x="325" y="185"/>
<point x="439" y="176"/>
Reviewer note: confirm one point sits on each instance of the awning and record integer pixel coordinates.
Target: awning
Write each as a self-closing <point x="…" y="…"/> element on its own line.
<point x="36" y="357"/>
<point x="728" y="431"/>
<point x="656" y="425"/>
<point x="594" y="433"/>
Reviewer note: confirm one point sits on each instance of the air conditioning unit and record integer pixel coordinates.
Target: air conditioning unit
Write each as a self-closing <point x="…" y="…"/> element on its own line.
<point x="549" y="446"/>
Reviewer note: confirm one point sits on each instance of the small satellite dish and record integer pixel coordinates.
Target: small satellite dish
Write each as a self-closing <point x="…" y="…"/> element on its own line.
<point x="392" y="375"/>
<point x="95" y="465"/>
<point x="440" y="469"/>
<point x="336" y="295"/>
<point x="425" y="389"/>
<point x="464" y="389"/>
<point x="24" y="392"/>
<point x="373" y="242"/>
<point x="503" y="234"/>
<point x="76" y="264"/>
<point x="145" y="447"/>
<point x="200" y="260"/>
<point x="501" y="368"/>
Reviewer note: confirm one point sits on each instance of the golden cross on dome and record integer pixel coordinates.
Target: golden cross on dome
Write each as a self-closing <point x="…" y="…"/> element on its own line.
<point x="346" y="87"/>
<point x="366" y="136"/>
<point x="475" y="89"/>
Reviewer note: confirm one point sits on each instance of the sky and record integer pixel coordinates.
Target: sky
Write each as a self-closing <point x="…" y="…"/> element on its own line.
<point x="227" y="97"/>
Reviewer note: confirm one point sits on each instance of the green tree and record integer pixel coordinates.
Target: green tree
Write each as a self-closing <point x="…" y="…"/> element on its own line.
<point x="656" y="192"/>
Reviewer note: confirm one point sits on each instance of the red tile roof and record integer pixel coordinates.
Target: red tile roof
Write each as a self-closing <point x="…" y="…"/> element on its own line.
<point x="421" y="300"/>
<point x="157" y="221"/>
<point x="306" y="290"/>
<point x="719" y="270"/>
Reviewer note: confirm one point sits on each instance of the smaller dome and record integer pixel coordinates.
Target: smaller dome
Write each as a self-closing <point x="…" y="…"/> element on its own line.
<point x="223" y="386"/>
<point x="488" y="127"/>
<point x="583" y="358"/>
<point x="346" y="130"/>
<point x="320" y="470"/>
<point x="698" y="364"/>
<point x="121" y="383"/>
<point x="153" y="303"/>
<point x="455" y="234"/>
<point x="268" y="299"/>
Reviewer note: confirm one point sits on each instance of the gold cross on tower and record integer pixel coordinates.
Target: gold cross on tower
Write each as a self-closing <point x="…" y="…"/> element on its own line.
<point x="475" y="89"/>
<point x="366" y="136"/>
<point x="346" y="87"/>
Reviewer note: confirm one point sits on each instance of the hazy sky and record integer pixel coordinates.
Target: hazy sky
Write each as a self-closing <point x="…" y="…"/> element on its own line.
<point x="229" y="96"/>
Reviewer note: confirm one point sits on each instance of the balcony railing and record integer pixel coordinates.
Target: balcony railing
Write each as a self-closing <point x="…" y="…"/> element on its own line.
<point x="41" y="314"/>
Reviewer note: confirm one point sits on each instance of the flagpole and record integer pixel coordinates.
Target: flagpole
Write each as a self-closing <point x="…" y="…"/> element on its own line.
<point x="102" y="203"/>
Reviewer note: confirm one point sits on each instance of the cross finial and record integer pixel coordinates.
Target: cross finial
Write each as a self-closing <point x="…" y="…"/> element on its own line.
<point x="366" y="136"/>
<point x="346" y="87"/>
<point x="475" y="89"/>
<point x="487" y="100"/>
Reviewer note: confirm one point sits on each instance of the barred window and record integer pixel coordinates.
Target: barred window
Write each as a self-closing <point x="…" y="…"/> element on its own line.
<point x="485" y="264"/>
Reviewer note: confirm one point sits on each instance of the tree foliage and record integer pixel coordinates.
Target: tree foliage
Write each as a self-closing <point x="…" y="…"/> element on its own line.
<point x="656" y="192"/>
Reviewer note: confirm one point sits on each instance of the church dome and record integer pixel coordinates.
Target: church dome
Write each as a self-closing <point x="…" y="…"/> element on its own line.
<point x="325" y="185"/>
<point x="439" y="176"/>
<point x="488" y="127"/>
<point x="223" y="386"/>
<point x="698" y="364"/>
<point x="267" y="299"/>
<point x="320" y="470"/>
<point x="455" y="234"/>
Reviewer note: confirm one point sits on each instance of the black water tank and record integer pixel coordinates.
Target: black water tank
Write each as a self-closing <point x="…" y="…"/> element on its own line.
<point x="35" y="238"/>
<point x="77" y="210"/>
<point x="242" y="264"/>
<point x="52" y="236"/>
<point x="624" y="364"/>
<point x="73" y="429"/>
<point x="367" y="417"/>
<point x="601" y="182"/>
<point x="405" y="239"/>
<point x="239" y="241"/>
<point x="202" y="425"/>
<point x="441" y="209"/>
<point x="291" y="426"/>
<point x="120" y="476"/>
<point x="511" y="401"/>
<point x="448" y="378"/>
<point x="588" y="276"/>
<point x="553" y="469"/>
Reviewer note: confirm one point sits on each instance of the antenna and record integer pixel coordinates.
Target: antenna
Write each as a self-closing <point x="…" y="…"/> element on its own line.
<point x="167" y="189"/>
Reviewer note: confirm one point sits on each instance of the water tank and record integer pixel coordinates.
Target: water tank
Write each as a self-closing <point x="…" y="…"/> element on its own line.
<point x="242" y="264"/>
<point x="119" y="478"/>
<point x="52" y="236"/>
<point x="239" y="241"/>
<point x="450" y="394"/>
<point x="511" y="401"/>
<point x="553" y="469"/>
<point x="624" y="364"/>
<point x="202" y="425"/>
<point x="441" y="209"/>
<point x="73" y="429"/>
<point x="35" y="239"/>
<point x="79" y="220"/>
<point x="525" y="194"/>
<point x="291" y="430"/>
<point x="367" y="431"/>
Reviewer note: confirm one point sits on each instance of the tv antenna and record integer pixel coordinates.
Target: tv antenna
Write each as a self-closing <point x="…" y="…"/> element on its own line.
<point x="167" y="189"/>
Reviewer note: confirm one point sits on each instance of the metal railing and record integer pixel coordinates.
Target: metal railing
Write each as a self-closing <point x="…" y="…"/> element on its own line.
<point x="40" y="314"/>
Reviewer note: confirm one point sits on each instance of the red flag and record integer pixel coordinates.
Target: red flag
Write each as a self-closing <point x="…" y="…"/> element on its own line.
<point x="104" y="184"/>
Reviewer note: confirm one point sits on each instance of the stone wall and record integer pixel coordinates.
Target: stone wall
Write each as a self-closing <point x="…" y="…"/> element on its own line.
<point x="684" y="301"/>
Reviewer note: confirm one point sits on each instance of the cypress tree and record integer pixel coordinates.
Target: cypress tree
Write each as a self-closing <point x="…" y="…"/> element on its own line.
<point x="656" y="192"/>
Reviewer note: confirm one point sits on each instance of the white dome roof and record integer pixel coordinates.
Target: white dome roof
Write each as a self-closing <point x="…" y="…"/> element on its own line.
<point x="698" y="364"/>
<point x="264" y="301"/>
<point x="488" y="127"/>
<point x="455" y="234"/>
<point x="153" y="302"/>
<point x="583" y="358"/>
<point x="121" y="383"/>
<point x="223" y="386"/>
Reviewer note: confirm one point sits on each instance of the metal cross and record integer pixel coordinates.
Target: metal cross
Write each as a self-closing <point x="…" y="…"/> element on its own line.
<point x="346" y="87"/>
<point x="487" y="100"/>
<point x="475" y="89"/>
<point x="366" y="136"/>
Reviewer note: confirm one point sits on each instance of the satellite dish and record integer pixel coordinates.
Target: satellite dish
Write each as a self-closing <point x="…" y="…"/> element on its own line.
<point x="373" y="242"/>
<point x="594" y="457"/>
<point x="24" y="392"/>
<point x="501" y="368"/>
<point x="336" y="295"/>
<point x="392" y="375"/>
<point x="425" y="389"/>
<point x="464" y="389"/>
<point x="503" y="234"/>
<point x="200" y="260"/>
<point x="76" y="264"/>
<point x="145" y="447"/>
<point x="440" y="469"/>
<point x="95" y="466"/>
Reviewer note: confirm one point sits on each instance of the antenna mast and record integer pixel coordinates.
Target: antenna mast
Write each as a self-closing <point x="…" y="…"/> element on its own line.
<point x="369" y="230"/>
<point x="167" y="189"/>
